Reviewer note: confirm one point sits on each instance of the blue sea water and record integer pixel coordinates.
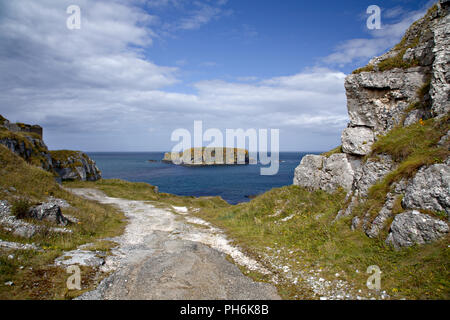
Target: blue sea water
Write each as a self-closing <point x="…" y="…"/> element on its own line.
<point x="233" y="183"/>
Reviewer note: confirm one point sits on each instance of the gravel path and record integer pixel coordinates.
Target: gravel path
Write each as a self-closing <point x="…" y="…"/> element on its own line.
<point x="163" y="255"/>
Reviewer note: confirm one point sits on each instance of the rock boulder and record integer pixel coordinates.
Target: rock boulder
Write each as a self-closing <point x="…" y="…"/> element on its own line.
<point x="357" y="140"/>
<point x="48" y="212"/>
<point x="412" y="227"/>
<point x="319" y="172"/>
<point x="429" y="189"/>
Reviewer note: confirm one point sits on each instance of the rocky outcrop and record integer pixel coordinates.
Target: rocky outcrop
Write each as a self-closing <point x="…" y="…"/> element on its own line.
<point x="440" y="87"/>
<point x="357" y="140"/>
<point x="404" y="86"/>
<point x="27" y="145"/>
<point x="26" y="141"/>
<point x="373" y="227"/>
<point x="429" y="189"/>
<point x="21" y="228"/>
<point x="377" y="100"/>
<point x="412" y="227"/>
<point x="48" y="212"/>
<point x="75" y="165"/>
<point x="21" y="127"/>
<point x="341" y="170"/>
<point x="370" y="172"/>
<point x="319" y="172"/>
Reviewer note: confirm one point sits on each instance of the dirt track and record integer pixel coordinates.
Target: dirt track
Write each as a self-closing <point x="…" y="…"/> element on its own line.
<point x="163" y="255"/>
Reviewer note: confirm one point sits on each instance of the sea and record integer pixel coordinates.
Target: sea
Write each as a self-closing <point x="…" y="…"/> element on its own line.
<point x="235" y="184"/>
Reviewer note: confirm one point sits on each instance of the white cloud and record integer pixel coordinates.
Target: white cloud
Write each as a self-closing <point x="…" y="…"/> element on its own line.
<point x="360" y="50"/>
<point x="199" y="17"/>
<point x="247" y="79"/>
<point x="193" y="13"/>
<point x="93" y="89"/>
<point x="393" y="12"/>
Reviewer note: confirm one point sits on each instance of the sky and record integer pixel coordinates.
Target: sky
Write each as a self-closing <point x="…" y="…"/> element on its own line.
<point x="136" y="70"/>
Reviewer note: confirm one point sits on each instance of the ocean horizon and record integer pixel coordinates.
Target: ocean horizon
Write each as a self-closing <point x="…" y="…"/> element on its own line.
<point x="234" y="184"/>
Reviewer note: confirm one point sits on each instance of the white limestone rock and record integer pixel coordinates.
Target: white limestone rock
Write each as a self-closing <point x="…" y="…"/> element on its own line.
<point x="357" y="140"/>
<point x="412" y="227"/>
<point x="429" y="189"/>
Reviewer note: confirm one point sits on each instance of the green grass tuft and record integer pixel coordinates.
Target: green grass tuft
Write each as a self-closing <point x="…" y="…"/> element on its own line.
<point x="20" y="207"/>
<point x="331" y="152"/>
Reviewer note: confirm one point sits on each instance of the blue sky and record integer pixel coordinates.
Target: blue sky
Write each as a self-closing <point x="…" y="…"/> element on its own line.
<point x="137" y="70"/>
<point x="270" y="38"/>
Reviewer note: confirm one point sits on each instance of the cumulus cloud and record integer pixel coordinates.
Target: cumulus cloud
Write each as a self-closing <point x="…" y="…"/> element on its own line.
<point x="94" y="89"/>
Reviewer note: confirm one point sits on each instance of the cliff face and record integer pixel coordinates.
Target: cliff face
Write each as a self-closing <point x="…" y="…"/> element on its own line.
<point x="395" y="151"/>
<point x="26" y="141"/>
<point x="74" y="165"/>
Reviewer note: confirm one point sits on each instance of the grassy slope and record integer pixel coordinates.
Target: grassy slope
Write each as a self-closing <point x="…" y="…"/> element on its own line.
<point x="308" y="240"/>
<point x="37" y="280"/>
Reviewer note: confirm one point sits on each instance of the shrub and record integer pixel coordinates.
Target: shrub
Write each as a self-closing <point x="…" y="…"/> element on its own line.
<point x="20" y="208"/>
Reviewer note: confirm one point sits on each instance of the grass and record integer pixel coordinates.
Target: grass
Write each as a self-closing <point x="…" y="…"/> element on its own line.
<point x="397" y="62"/>
<point x="20" y="207"/>
<point x="142" y="191"/>
<point x="368" y="68"/>
<point x="308" y="241"/>
<point x="416" y="141"/>
<point x="61" y="158"/>
<point x="63" y="155"/>
<point x="331" y="152"/>
<point x="96" y="222"/>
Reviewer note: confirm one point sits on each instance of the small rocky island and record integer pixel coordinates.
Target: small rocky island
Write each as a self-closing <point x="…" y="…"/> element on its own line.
<point x="208" y="157"/>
